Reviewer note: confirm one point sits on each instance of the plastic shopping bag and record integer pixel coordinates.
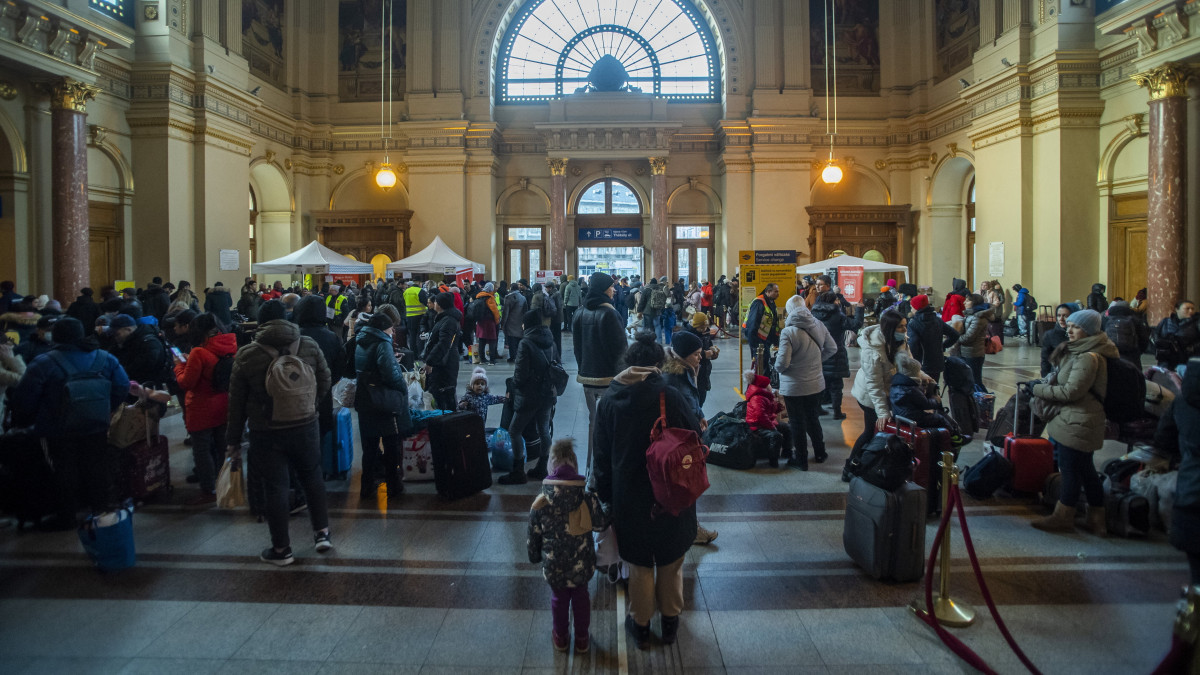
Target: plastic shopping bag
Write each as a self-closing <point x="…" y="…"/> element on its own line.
<point x="500" y="449"/>
<point x="231" y="486"/>
<point x="108" y="539"/>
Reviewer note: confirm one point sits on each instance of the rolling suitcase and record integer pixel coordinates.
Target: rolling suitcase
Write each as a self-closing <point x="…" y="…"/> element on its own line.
<point x="884" y="532"/>
<point x="1032" y="459"/>
<point x="337" y="447"/>
<point x="146" y="468"/>
<point x="461" y="466"/>
<point x="927" y="446"/>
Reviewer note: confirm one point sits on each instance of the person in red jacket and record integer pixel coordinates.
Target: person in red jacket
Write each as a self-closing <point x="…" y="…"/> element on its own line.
<point x="207" y="408"/>
<point x="955" y="301"/>
<point x="706" y="299"/>
<point x="762" y="414"/>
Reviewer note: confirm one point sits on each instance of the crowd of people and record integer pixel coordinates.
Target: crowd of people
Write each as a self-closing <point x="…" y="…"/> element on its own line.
<point x="263" y="369"/>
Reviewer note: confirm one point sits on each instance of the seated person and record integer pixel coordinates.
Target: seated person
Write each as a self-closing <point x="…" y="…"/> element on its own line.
<point x="762" y="414"/>
<point x="909" y="400"/>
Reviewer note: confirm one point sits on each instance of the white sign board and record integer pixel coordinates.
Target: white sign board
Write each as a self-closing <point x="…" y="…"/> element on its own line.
<point x="996" y="259"/>
<point x="449" y="271"/>
<point x="542" y="276"/>
<point x="230" y="259"/>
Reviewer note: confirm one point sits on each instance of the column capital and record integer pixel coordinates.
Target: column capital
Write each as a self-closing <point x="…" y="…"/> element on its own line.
<point x="68" y="94"/>
<point x="658" y="166"/>
<point x="1166" y="81"/>
<point x="558" y="166"/>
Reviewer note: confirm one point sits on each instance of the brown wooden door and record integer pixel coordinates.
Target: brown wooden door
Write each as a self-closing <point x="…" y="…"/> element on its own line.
<point x="1127" y="245"/>
<point x="106" y="245"/>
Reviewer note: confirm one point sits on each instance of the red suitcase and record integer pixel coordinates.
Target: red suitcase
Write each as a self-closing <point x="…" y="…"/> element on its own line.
<point x="145" y="468"/>
<point x="928" y="446"/>
<point x="1032" y="458"/>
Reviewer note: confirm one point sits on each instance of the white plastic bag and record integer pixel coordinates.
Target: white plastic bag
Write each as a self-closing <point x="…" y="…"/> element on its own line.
<point x="231" y="488"/>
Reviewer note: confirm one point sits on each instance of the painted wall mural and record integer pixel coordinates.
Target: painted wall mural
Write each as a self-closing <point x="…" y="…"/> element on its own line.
<point x="956" y="36"/>
<point x="262" y="40"/>
<point x="856" y="46"/>
<point x="361" y="52"/>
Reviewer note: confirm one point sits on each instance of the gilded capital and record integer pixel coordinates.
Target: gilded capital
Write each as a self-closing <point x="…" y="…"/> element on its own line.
<point x="7" y="91"/>
<point x="1166" y="81"/>
<point x="67" y="94"/>
<point x="558" y="166"/>
<point x="658" y="166"/>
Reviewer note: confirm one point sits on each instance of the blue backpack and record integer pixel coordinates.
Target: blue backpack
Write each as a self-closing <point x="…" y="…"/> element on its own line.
<point x="85" y="405"/>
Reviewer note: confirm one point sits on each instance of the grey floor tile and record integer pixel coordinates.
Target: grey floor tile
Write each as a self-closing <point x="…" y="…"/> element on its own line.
<point x="75" y="665"/>
<point x="122" y="627"/>
<point x="348" y="668"/>
<point x="763" y="638"/>
<point x="482" y="638"/>
<point x="503" y="542"/>
<point x="255" y="667"/>
<point x="299" y="633"/>
<point x="539" y="650"/>
<point x="776" y="670"/>
<point x="410" y="630"/>
<point x="839" y="637"/>
<point x="698" y="645"/>
<point x="157" y="666"/>
<point x="214" y="630"/>
<point x="469" y="670"/>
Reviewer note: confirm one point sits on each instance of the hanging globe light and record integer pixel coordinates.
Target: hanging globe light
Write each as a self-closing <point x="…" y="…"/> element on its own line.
<point x="832" y="173"/>
<point x="386" y="177"/>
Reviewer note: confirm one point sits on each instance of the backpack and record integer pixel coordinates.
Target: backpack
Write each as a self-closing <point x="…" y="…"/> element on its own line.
<point x="658" y="299"/>
<point x="886" y="462"/>
<point x="675" y="461"/>
<point x="478" y="310"/>
<point x="959" y="376"/>
<point x="222" y="372"/>
<point x="1126" y="395"/>
<point x="292" y="386"/>
<point x="1030" y="307"/>
<point x="85" y="405"/>
<point x="1123" y="332"/>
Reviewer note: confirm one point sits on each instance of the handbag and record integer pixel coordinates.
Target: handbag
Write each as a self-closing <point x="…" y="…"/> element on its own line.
<point x="133" y="423"/>
<point x="231" y="487"/>
<point x="993" y="345"/>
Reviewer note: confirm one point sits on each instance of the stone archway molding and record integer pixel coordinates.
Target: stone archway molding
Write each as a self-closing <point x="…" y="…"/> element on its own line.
<point x="849" y="164"/>
<point x="20" y="159"/>
<point x="586" y="181"/>
<point x="714" y="199"/>
<point x="368" y="170"/>
<point x="521" y="186"/>
<point x="98" y="138"/>
<point x="273" y="184"/>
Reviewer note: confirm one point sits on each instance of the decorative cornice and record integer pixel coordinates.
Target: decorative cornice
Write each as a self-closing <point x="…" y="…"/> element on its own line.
<point x="1166" y="81"/>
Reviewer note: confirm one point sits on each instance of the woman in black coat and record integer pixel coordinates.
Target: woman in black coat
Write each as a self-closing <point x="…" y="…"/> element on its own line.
<point x="929" y="337"/>
<point x="828" y="310"/>
<point x="379" y="426"/>
<point x="1054" y="337"/>
<point x="646" y="540"/>
<point x="534" y="397"/>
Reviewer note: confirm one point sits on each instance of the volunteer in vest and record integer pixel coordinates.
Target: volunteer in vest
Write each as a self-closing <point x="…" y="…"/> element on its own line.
<point x="652" y="544"/>
<point x="415" y="301"/>
<point x="206" y="398"/>
<point x="337" y="308"/>
<point x="762" y="324"/>
<point x="73" y="418"/>
<point x="1071" y="400"/>
<point x="276" y="383"/>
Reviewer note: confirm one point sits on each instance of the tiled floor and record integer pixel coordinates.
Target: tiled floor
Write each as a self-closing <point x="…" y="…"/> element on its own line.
<point x="419" y="585"/>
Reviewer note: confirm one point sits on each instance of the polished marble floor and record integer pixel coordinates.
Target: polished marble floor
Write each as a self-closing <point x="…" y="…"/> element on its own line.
<point x="420" y="585"/>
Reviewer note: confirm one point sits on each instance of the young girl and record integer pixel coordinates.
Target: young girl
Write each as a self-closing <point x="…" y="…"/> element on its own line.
<point x="762" y="414"/>
<point x="477" y="398"/>
<point x="561" y="522"/>
<point x="909" y="400"/>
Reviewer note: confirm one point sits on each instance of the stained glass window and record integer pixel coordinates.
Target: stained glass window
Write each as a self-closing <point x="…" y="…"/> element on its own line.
<point x="558" y="47"/>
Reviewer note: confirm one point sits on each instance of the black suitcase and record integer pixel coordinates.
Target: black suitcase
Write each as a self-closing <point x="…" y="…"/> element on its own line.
<point x="884" y="532"/>
<point x="461" y="466"/>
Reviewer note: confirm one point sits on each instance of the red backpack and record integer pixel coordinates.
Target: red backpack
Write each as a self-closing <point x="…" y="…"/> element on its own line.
<point x="675" y="461"/>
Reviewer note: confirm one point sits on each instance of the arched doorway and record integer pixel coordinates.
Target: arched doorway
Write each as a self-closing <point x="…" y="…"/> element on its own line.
<point x="380" y="261"/>
<point x="948" y="250"/>
<point x="608" y="229"/>
<point x="272" y="211"/>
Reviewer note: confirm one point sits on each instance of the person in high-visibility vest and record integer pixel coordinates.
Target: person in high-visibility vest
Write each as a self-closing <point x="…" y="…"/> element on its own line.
<point x="415" y="300"/>
<point x="336" y="310"/>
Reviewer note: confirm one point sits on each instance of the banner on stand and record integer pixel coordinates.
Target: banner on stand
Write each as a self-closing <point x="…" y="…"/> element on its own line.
<point x="850" y="280"/>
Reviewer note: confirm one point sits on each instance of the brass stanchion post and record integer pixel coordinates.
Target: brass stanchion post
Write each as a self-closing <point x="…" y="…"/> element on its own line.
<point x="945" y="610"/>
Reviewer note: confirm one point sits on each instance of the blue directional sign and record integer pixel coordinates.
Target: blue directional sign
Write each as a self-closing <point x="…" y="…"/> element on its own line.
<point x="610" y="233"/>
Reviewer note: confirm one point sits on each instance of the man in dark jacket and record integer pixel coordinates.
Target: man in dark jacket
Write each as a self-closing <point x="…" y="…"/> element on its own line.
<point x="217" y="301"/>
<point x="829" y="309"/>
<point x="156" y="301"/>
<point x="441" y="352"/>
<point x="1096" y="300"/>
<point x="84" y="308"/>
<point x="279" y="448"/>
<point x="82" y="459"/>
<point x="534" y="399"/>
<point x="929" y="337"/>
<point x="309" y="314"/>
<point x="40" y="342"/>
<point x="598" y="339"/>
<point x="1128" y="331"/>
<point x="140" y="351"/>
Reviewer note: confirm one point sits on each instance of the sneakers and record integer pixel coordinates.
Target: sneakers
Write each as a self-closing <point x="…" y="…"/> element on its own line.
<point x="640" y="634"/>
<point x="822" y="412"/>
<point x="560" y="643"/>
<point x="820" y="457"/>
<point x="299" y="507"/>
<point x="323" y="544"/>
<point x="270" y="555"/>
<point x="670" y="629"/>
<point x="704" y="537"/>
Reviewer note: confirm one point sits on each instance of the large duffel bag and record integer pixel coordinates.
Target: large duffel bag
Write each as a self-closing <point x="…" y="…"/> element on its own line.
<point x="731" y="443"/>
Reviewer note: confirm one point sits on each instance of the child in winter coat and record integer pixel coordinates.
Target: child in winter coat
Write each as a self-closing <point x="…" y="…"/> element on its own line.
<point x="561" y="523"/>
<point x="477" y="399"/>
<point x="762" y="414"/>
<point x="908" y="399"/>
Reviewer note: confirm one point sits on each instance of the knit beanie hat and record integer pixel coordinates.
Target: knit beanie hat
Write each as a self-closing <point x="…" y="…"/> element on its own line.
<point x="699" y="320"/>
<point x="121" y="321"/>
<point x="380" y="321"/>
<point x="67" y="331"/>
<point x="1088" y="320"/>
<point x="598" y="283"/>
<point x="531" y="320"/>
<point x="685" y="344"/>
<point x="919" y="302"/>
<point x="891" y="282"/>
<point x="479" y="374"/>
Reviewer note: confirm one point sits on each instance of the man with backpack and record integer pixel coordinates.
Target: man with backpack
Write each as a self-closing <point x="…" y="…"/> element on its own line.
<point x="276" y="384"/>
<point x="1025" y="306"/>
<point x="69" y="394"/>
<point x="652" y="305"/>
<point x="1128" y="331"/>
<point x="141" y="352"/>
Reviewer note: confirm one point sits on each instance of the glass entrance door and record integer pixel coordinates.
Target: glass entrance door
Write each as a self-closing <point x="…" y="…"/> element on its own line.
<point x="693" y="253"/>
<point x="524" y="249"/>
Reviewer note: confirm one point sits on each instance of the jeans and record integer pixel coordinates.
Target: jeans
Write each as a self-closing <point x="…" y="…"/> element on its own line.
<point x="567" y="601"/>
<point x="272" y="453"/>
<point x="803" y="417"/>
<point x="380" y="466"/>
<point x="208" y="451"/>
<point x="521" y="419"/>
<point x="663" y="583"/>
<point x="652" y="325"/>
<point x="1078" y="470"/>
<point x="591" y="396"/>
<point x="1022" y="324"/>
<point x="84" y="465"/>
<point x="976" y="363"/>
<point x="568" y="315"/>
<point x="667" y="321"/>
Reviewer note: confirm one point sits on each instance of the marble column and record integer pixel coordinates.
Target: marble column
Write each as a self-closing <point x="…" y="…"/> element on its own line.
<point x="660" y="238"/>
<point x="1167" y="184"/>
<point x="69" y="186"/>
<point x="558" y="213"/>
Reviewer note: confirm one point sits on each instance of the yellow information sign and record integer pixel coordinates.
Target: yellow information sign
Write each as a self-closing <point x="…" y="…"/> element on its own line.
<point x="754" y="278"/>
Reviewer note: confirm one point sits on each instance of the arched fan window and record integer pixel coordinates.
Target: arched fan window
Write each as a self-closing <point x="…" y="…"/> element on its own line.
<point x="557" y="47"/>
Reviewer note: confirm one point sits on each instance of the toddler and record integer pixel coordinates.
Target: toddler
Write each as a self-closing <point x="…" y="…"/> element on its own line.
<point x="561" y="522"/>
<point x="477" y="398"/>
<point x="762" y="414"/>
<point x="908" y="399"/>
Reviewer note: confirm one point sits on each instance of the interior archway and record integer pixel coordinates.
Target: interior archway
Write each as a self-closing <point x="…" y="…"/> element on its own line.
<point x="948" y="225"/>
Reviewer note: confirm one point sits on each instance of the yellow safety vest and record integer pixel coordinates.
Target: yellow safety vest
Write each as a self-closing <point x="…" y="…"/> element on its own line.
<point x="336" y="304"/>
<point x="412" y="302"/>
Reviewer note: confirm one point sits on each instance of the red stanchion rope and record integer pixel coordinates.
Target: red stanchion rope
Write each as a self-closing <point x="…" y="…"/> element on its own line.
<point x="958" y="646"/>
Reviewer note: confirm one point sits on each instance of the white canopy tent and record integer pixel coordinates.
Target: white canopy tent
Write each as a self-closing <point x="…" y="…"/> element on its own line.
<point x="436" y="258"/>
<point x="869" y="266"/>
<point x="313" y="259"/>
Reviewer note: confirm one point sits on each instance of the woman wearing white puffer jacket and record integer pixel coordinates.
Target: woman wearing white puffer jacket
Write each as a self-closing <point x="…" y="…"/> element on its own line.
<point x="803" y="345"/>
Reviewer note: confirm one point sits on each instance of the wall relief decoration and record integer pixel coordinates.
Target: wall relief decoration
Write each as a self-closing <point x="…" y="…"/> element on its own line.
<point x="262" y="40"/>
<point x="361" y="50"/>
<point x="956" y="36"/>
<point x="856" y="46"/>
